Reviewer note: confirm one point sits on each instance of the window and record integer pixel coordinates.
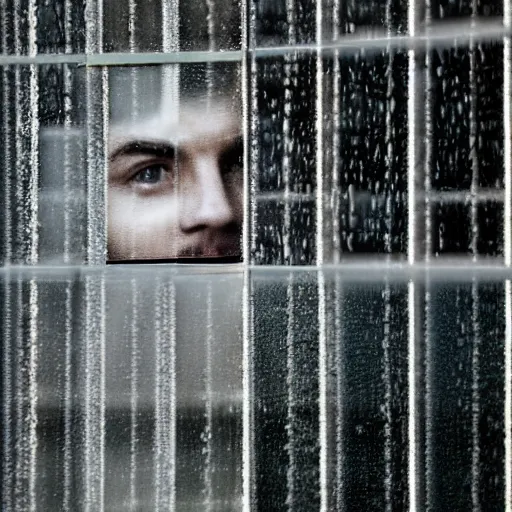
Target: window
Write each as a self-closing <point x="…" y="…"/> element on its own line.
<point x="358" y="354"/>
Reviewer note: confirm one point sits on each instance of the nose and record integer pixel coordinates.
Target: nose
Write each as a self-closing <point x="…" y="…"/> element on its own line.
<point x="204" y="202"/>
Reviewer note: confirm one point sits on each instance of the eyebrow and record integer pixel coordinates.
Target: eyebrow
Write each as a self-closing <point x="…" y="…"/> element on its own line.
<point x="137" y="147"/>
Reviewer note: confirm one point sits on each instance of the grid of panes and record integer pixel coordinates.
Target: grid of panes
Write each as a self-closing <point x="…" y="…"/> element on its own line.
<point x="374" y="131"/>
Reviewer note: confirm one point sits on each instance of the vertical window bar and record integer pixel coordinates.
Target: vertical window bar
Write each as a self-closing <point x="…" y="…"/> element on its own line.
<point x="68" y="402"/>
<point x="165" y="396"/>
<point x="94" y="392"/>
<point x="290" y="69"/>
<point x="429" y="130"/>
<point x="27" y="141"/>
<point x="340" y="393"/>
<point x="25" y="447"/>
<point x="33" y="259"/>
<point x="7" y="137"/>
<point x="322" y="384"/>
<point x="291" y="399"/>
<point x="33" y="391"/>
<point x="507" y="237"/>
<point x="473" y="134"/>
<point x="413" y="413"/>
<point x="27" y="156"/>
<point x="248" y="394"/>
<point x="165" y="437"/>
<point x="508" y="396"/>
<point x="132" y="24"/>
<point x="337" y="456"/>
<point x="475" y="359"/>
<point x="252" y="130"/>
<point x="427" y="352"/>
<point x="171" y="43"/>
<point x="68" y="168"/>
<point x="97" y="169"/>
<point x="388" y="397"/>
<point x="133" y="48"/>
<point x="412" y="250"/>
<point x="389" y="121"/>
<point x="507" y="116"/>
<point x="246" y="127"/>
<point x="134" y="391"/>
<point x="475" y="401"/>
<point x="336" y="188"/>
<point x="208" y="406"/>
<point x="212" y="46"/>
<point x="248" y="104"/>
<point x="8" y="460"/>
<point x="8" y="433"/>
<point x="319" y="139"/>
<point x="322" y="338"/>
<point x="134" y="325"/>
<point x="20" y="449"/>
<point x="68" y="336"/>
<point x="34" y="138"/>
<point x="97" y="137"/>
<point x="412" y="105"/>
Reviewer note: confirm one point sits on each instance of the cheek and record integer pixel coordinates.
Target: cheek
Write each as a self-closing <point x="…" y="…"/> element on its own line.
<point x="138" y="225"/>
<point x="134" y="210"/>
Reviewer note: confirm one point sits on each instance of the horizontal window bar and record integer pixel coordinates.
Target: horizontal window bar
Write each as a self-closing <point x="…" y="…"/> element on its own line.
<point x="134" y="59"/>
<point x="355" y="267"/>
<point x="443" y="34"/>
<point x="437" y="196"/>
<point x="42" y="59"/>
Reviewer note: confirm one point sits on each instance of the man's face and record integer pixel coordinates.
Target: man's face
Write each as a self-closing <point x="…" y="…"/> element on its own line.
<point x="175" y="185"/>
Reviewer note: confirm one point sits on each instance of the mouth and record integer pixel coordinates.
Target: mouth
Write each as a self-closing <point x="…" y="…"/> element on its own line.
<point x="225" y="248"/>
<point x="214" y="245"/>
<point x="219" y="251"/>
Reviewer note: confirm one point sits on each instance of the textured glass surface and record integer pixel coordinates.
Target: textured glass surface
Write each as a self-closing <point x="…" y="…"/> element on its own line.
<point x="360" y="357"/>
<point x="44" y="162"/>
<point x="46" y="27"/>
<point x="163" y="26"/>
<point x="122" y="388"/>
<point x="59" y="26"/>
<point x="454" y="358"/>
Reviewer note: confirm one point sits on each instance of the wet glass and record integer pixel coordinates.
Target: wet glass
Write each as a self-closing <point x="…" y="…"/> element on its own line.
<point x="359" y="357"/>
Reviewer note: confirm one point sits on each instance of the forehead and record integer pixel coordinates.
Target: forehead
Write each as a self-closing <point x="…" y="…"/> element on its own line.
<point x="181" y="124"/>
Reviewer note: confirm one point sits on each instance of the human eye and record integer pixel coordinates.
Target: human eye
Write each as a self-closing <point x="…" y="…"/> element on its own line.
<point x="149" y="177"/>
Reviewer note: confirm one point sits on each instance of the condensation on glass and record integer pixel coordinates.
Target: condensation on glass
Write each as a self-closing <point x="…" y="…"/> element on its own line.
<point x="361" y="355"/>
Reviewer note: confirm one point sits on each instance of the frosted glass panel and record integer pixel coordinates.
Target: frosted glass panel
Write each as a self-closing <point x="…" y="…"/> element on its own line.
<point x="358" y="376"/>
<point x="393" y="377"/>
<point x="44" y="161"/>
<point x="139" y="410"/>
